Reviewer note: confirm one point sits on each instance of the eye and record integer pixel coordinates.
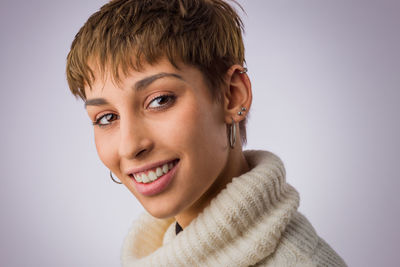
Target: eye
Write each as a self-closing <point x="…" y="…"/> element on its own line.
<point x="161" y="101"/>
<point x="105" y="119"/>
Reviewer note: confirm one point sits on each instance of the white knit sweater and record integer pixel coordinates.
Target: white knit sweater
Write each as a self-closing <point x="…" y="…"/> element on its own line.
<point x="252" y="222"/>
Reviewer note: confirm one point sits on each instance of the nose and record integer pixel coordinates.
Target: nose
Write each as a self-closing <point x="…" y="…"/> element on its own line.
<point x="134" y="140"/>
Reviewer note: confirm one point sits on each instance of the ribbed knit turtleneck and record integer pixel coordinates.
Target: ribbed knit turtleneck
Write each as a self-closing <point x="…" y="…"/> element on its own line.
<point x="253" y="221"/>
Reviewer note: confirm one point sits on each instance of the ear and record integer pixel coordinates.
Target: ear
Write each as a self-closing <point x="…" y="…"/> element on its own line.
<point x="237" y="95"/>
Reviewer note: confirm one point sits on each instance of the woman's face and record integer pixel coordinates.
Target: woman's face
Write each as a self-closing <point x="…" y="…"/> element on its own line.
<point x="161" y="134"/>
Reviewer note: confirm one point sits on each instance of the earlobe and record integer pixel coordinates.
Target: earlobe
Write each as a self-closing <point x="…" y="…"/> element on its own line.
<point x="238" y="94"/>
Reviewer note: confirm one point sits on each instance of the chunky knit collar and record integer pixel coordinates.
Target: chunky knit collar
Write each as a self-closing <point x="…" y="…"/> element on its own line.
<point x="240" y="227"/>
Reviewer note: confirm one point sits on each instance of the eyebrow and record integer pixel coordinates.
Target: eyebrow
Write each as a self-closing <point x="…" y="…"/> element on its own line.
<point x="139" y="86"/>
<point x="95" y="102"/>
<point x="142" y="84"/>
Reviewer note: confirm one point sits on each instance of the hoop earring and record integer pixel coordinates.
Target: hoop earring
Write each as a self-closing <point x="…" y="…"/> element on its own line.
<point x="114" y="180"/>
<point x="232" y="134"/>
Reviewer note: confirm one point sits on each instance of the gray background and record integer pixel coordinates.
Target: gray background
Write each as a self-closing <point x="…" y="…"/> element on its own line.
<point x="325" y="77"/>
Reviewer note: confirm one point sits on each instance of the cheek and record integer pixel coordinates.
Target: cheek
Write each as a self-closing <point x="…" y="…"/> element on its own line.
<point x="191" y="126"/>
<point x="198" y="133"/>
<point x="106" y="150"/>
<point x="206" y="128"/>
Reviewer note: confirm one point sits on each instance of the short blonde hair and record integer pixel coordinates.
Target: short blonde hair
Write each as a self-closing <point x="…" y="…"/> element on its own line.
<point x="123" y="34"/>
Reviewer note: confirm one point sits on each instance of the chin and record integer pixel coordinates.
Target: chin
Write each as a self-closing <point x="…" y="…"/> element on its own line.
<point x="161" y="214"/>
<point x="162" y="211"/>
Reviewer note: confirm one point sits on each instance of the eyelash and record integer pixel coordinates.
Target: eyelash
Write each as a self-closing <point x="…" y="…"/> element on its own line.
<point x="170" y="100"/>
<point x="97" y="121"/>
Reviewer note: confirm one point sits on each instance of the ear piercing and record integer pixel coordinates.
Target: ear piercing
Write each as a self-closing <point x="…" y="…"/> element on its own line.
<point x="243" y="109"/>
<point x="243" y="71"/>
<point x="232" y="134"/>
<point x="114" y="180"/>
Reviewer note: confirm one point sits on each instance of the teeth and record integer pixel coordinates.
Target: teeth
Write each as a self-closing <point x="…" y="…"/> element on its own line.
<point x="138" y="178"/>
<point x="165" y="168"/>
<point x="154" y="174"/>
<point x="145" y="178"/>
<point x="159" y="172"/>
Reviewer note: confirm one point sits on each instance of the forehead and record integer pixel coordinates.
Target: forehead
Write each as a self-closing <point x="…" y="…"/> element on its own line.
<point x="143" y="77"/>
<point x="103" y="76"/>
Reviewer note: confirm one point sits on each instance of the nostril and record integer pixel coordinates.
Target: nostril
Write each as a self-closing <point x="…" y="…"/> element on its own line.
<point x="134" y="145"/>
<point x="140" y="153"/>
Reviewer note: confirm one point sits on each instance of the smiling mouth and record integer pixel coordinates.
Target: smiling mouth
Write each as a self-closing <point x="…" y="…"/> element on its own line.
<point x="153" y="174"/>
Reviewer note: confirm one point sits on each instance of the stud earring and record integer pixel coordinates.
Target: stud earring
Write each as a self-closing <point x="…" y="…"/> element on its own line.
<point x="240" y="113"/>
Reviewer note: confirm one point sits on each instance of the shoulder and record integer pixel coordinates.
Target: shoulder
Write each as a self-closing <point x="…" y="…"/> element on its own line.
<point x="301" y="246"/>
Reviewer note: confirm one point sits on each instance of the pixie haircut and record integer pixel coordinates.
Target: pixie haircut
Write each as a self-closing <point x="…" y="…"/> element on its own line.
<point x="124" y="34"/>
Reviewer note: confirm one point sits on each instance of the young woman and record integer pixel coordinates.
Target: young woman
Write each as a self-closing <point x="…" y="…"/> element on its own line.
<point x="165" y="87"/>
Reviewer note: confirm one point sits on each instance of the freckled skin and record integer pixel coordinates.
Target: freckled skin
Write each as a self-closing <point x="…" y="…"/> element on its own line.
<point x="192" y="128"/>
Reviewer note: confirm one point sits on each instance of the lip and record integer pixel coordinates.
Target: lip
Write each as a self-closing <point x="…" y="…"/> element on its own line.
<point x="148" y="167"/>
<point x="157" y="186"/>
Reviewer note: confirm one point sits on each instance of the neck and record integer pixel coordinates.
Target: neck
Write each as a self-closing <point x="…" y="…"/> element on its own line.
<point x="236" y="165"/>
